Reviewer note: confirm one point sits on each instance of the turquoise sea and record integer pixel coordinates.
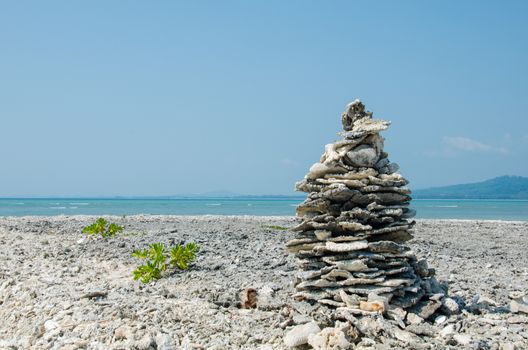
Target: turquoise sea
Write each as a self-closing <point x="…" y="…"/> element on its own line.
<point x="426" y="209"/>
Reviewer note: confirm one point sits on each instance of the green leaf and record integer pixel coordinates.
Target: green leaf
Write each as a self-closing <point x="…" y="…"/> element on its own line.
<point x="113" y="229"/>
<point x="100" y="225"/>
<point x="90" y="230"/>
<point x="142" y="254"/>
<point x="157" y="252"/>
<point x="192" y="247"/>
<point x="146" y="273"/>
<point x="182" y="256"/>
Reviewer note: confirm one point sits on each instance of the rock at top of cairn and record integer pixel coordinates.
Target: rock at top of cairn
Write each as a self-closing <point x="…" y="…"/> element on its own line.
<point x="354" y="222"/>
<point x="354" y="111"/>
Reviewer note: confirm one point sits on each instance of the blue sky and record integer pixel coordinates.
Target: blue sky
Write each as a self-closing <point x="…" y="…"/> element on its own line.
<point x="159" y="98"/>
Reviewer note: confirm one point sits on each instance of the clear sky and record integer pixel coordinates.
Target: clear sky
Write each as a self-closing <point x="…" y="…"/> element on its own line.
<point x="166" y="97"/>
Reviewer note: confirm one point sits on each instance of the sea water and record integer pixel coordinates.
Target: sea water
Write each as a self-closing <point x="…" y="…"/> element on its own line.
<point x="426" y="209"/>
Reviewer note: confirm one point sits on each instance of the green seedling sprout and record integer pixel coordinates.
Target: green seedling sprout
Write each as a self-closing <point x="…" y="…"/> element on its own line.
<point x="156" y="260"/>
<point x="103" y="228"/>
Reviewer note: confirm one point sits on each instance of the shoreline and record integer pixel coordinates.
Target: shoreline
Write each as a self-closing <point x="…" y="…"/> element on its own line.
<point x="223" y="216"/>
<point x="49" y="269"/>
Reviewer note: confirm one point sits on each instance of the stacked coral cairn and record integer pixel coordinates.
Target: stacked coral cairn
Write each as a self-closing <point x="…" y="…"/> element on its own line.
<point x="355" y="221"/>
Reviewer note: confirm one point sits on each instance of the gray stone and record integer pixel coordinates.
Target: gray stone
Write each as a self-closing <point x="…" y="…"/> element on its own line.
<point x="392" y="168"/>
<point x="164" y="342"/>
<point x="298" y="335"/>
<point x="50" y="325"/>
<point x="423" y="329"/>
<point x="331" y="338"/>
<point x="363" y="156"/>
<point x="413" y="318"/>
<point x="123" y="332"/>
<point x="440" y="320"/>
<point x="428" y="309"/>
<point x="462" y="339"/>
<point x="422" y="268"/>
<point x="507" y="346"/>
<point x="406" y="337"/>
<point x="354" y="111"/>
<point x="450" y="306"/>
<point x="145" y="343"/>
<point x="517" y="319"/>
<point x="382" y="163"/>
<point x="448" y="331"/>
<point x="517" y="307"/>
<point x="301" y="319"/>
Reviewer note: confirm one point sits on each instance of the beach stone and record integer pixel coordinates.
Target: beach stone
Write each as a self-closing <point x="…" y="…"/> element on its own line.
<point x="123" y="332"/>
<point x="397" y="314"/>
<point x="517" y="307"/>
<point x="372" y="306"/>
<point x="50" y="325"/>
<point x="164" y="342"/>
<point x="450" y="306"/>
<point x="298" y="335"/>
<point x="301" y="319"/>
<point x="422" y="268"/>
<point x="507" y="346"/>
<point x="331" y="338"/>
<point x="423" y="329"/>
<point x="366" y="344"/>
<point x="320" y="170"/>
<point x="518" y="296"/>
<point x="406" y="337"/>
<point x="485" y="302"/>
<point x="354" y="111"/>
<point x="462" y="339"/>
<point x="517" y="319"/>
<point x="248" y="298"/>
<point x="413" y="318"/>
<point x="427" y="308"/>
<point x="392" y="168"/>
<point x="266" y="347"/>
<point x="448" y="330"/>
<point x="382" y="163"/>
<point x="369" y="326"/>
<point x="322" y="234"/>
<point x="440" y="320"/>
<point x="363" y="156"/>
<point x="145" y="343"/>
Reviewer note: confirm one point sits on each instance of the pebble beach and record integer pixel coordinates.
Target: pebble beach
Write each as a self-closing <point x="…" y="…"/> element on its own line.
<point x="62" y="290"/>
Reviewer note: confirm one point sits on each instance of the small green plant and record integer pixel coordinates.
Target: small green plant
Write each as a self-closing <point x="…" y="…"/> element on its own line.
<point x="154" y="265"/>
<point x="182" y="256"/>
<point x="156" y="260"/>
<point x="103" y="228"/>
<point x="274" y="227"/>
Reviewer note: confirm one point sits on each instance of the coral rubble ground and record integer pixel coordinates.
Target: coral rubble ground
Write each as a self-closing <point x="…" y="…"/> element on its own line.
<point x="61" y="290"/>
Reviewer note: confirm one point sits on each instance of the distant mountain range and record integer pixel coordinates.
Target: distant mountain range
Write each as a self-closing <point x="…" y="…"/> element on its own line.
<point x="503" y="187"/>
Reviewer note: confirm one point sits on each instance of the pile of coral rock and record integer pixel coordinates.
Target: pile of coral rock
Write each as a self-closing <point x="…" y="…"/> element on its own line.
<point x="350" y="245"/>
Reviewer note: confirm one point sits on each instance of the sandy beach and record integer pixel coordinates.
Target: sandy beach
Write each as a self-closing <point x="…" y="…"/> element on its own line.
<point x="62" y="290"/>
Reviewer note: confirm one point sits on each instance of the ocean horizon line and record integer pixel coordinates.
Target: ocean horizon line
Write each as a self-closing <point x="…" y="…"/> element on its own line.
<point x="274" y="197"/>
<point x="279" y="196"/>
